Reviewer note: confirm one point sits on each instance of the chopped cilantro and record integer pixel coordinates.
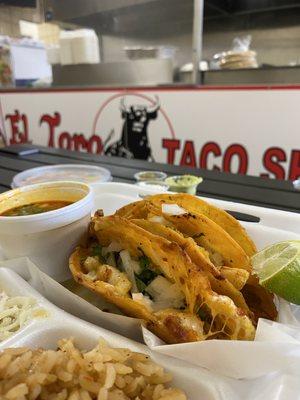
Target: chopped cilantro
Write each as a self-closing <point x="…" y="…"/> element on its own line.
<point x="142" y="287"/>
<point x="96" y="251"/>
<point x="144" y="262"/>
<point x="140" y="284"/>
<point x="203" y="314"/>
<point x="147" y="276"/>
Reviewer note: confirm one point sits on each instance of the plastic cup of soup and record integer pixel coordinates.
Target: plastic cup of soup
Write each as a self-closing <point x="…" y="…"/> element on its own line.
<point x="45" y="222"/>
<point x="184" y="183"/>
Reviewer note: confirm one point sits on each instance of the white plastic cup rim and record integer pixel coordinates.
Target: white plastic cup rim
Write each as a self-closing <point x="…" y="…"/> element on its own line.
<point x="19" y="225"/>
<point x="19" y="180"/>
<point x="172" y="185"/>
<point x="156" y="176"/>
<point x="158" y="185"/>
<point x="296" y="184"/>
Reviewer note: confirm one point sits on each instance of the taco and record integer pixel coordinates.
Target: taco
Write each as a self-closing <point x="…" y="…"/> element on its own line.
<point x="218" y="282"/>
<point x="214" y="243"/>
<point x="217" y="215"/>
<point x="152" y="278"/>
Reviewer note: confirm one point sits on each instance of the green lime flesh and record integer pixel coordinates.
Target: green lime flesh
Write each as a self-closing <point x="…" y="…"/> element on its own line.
<point x="278" y="269"/>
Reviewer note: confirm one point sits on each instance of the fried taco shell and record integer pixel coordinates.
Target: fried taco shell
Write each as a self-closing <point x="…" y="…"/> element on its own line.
<point x="184" y="327"/>
<point x="222" y="249"/>
<point x="144" y="210"/>
<point x="218" y="282"/>
<point x="165" y="255"/>
<point x="200" y="314"/>
<point x="259" y="300"/>
<point x="236" y="276"/>
<point x="219" y="216"/>
<point x="180" y="325"/>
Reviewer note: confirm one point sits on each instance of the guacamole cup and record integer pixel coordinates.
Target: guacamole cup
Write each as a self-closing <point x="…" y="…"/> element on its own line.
<point x="49" y="237"/>
<point x="183" y="183"/>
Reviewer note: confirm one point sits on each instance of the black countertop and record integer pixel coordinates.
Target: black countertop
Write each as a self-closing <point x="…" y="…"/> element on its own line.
<point x="278" y="194"/>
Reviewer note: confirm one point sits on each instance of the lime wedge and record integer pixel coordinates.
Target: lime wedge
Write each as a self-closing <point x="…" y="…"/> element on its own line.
<point x="278" y="269"/>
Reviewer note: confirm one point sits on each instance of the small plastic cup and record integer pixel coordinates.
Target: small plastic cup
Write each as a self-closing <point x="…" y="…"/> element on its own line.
<point x="184" y="183"/>
<point x="296" y="184"/>
<point x="47" y="238"/>
<point x="143" y="176"/>
<point x="157" y="186"/>
<point x="88" y="174"/>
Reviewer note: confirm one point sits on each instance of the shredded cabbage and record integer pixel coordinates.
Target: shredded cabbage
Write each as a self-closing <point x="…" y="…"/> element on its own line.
<point x="15" y="312"/>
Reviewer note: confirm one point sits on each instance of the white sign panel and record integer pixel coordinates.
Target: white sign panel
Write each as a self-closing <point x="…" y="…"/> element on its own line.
<point x="247" y="131"/>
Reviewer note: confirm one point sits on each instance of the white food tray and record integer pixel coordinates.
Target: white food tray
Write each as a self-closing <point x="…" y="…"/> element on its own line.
<point x="269" y="367"/>
<point x="45" y="332"/>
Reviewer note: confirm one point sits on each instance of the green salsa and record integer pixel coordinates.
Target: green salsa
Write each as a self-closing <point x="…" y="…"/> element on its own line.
<point x="183" y="183"/>
<point x="35" y="208"/>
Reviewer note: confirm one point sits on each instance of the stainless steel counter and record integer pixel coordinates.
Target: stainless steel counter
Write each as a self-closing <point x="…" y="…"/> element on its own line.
<point x="266" y="75"/>
<point x="138" y="72"/>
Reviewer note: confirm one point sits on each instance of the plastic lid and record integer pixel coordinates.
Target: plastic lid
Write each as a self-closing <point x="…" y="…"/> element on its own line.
<point x="63" y="172"/>
<point x="156" y="186"/>
<point x="296" y="184"/>
<point x="150" y="176"/>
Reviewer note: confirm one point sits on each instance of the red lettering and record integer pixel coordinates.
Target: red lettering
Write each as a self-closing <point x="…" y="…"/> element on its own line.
<point x="53" y="122"/>
<point x="239" y="151"/>
<point x="295" y="165"/>
<point x="95" y="142"/>
<point x="188" y="157"/>
<point x="171" y="145"/>
<point x="92" y="145"/>
<point x="65" y="141"/>
<point x="80" y="142"/>
<point x="210" y="147"/>
<point x="19" y="127"/>
<point x="271" y="161"/>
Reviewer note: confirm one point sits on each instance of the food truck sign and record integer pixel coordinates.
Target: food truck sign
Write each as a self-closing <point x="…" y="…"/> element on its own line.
<point x="240" y="131"/>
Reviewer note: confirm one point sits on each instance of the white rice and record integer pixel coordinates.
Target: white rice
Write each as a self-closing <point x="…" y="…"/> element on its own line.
<point x="104" y="373"/>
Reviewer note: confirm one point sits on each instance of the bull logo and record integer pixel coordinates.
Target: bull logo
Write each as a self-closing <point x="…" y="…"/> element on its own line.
<point x="134" y="142"/>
